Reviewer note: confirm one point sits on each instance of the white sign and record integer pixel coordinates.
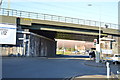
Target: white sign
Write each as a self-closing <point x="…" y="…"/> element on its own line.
<point x="104" y="51"/>
<point x="7" y="34"/>
<point x="98" y="47"/>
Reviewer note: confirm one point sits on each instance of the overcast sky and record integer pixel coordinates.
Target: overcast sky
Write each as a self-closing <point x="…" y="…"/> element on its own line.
<point x="101" y="10"/>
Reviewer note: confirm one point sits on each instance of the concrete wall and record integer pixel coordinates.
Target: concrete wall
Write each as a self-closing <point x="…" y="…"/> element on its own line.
<point x="36" y="46"/>
<point x="41" y="46"/>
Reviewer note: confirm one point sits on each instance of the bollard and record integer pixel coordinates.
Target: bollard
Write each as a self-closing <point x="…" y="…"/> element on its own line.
<point x="108" y="69"/>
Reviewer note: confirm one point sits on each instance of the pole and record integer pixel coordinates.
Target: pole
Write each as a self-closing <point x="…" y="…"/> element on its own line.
<point x="108" y="69"/>
<point x="98" y="48"/>
<point x="100" y="30"/>
<point x="24" y="45"/>
<point x="28" y="50"/>
<point x="8" y="6"/>
<point x="63" y="48"/>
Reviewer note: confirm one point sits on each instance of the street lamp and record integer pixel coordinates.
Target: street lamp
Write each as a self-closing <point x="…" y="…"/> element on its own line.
<point x="8" y="6"/>
<point x="99" y="22"/>
<point x="98" y="45"/>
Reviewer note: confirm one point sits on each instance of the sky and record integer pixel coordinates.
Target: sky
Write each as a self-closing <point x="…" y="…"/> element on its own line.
<point x="99" y="10"/>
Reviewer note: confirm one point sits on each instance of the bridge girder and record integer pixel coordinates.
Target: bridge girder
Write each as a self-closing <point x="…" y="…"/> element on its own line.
<point x="58" y="27"/>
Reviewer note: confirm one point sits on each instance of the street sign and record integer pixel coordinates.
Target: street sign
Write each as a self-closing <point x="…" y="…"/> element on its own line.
<point x="105" y="51"/>
<point x="7" y="34"/>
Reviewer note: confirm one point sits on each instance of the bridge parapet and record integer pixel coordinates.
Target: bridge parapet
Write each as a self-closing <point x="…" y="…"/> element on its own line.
<point x="41" y="16"/>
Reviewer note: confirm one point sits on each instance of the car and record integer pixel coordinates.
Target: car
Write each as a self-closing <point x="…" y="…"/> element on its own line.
<point x="75" y="52"/>
<point x="116" y="58"/>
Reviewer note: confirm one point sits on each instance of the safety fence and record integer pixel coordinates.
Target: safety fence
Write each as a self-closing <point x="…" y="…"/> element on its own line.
<point x="42" y="16"/>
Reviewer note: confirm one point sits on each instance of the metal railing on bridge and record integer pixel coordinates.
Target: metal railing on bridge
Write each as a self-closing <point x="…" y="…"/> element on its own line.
<point x="41" y="16"/>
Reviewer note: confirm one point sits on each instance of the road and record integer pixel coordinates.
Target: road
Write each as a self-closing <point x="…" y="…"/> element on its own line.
<point x="36" y="67"/>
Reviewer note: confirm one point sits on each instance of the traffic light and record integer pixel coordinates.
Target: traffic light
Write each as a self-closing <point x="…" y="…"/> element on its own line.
<point x="95" y="41"/>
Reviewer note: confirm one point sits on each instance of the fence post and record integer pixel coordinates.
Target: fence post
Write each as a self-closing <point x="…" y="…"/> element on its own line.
<point x="28" y="14"/>
<point x="37" y="15"/>
<point x="51" y="17"/>
<point x="20" y="14"/>
<point x="44" y="16"/>
<point x="65" y="19"/>
<point x="59" y="18"/>
<point x="8" y="12"/>
<point x="78" y="21"/>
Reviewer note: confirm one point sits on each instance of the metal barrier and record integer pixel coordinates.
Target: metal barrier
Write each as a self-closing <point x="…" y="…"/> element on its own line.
<point x="41" y="16"/>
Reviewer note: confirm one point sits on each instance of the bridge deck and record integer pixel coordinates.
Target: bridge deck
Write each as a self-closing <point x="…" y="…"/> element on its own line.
<point x="30" y="18"/>
<point x="41" y="16"/>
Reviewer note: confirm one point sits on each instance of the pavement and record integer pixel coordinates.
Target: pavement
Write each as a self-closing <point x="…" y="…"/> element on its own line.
<point x="91" y="77"/>
<point x="94" y="64"/>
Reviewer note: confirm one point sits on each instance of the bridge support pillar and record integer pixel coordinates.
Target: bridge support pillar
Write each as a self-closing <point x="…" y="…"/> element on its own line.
<point x="41" y="46"/>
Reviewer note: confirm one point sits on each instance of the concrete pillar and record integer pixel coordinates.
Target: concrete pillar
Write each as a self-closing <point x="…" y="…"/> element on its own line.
<point x="42" y="46"/>
<point x="24" y="44"/>
<point x="28" y="46"/>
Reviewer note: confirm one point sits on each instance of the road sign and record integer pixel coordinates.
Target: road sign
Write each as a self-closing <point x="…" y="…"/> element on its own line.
<point x="7" y="34"/>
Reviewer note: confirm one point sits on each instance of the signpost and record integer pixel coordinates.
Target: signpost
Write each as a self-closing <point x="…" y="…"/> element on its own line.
<point x="7" y="34"/>
<point x="97" y="53"/>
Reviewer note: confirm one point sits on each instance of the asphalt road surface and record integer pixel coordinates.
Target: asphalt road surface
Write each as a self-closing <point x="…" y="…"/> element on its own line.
<point x="36" y="67"/>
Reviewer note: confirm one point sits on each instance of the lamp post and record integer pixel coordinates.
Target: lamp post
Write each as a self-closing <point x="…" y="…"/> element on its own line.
<point x="8" y="6"/>
<point x="99" y="22"/>
<point x="98" y="45"/>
